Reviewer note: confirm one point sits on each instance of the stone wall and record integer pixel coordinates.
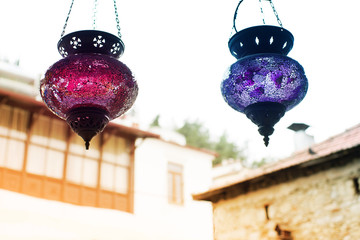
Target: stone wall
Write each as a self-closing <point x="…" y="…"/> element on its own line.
<point x="324" y="205"/>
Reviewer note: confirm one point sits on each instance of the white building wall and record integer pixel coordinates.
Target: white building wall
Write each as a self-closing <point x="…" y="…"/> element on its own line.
<point x="227" y="172"/>
<point x="14" y="78"/>
<point x="24" y="217"/>
<point x="193" y="219"/>
<point x="27" y="218"/>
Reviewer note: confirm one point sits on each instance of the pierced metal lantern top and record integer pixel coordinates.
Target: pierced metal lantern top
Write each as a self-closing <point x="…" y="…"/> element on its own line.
<point x="261" y="39"/>
<point x="91" y="41"/>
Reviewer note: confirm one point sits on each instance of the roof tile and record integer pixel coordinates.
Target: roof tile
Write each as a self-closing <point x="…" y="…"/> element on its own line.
<point x="343" y="141"/>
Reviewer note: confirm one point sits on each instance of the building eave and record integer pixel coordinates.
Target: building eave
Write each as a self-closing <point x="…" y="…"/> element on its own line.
<point x="203" y="150"/>
<point x="31" y="104"/>
<point x="304" y="162"/>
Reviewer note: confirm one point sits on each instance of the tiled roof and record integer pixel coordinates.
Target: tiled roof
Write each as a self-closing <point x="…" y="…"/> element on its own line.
<point x="345" y="141"/>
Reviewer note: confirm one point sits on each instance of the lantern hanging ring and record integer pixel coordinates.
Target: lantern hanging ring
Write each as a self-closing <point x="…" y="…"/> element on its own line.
<point x="272" y="6"/>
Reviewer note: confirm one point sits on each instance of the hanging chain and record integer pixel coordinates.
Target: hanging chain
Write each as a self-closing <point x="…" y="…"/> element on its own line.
<point x="117" y="19"/>
<point x="262" y="12"/>
<point x="235" y="15"/>
<point x="67" y="19"/>
<point x="94" y="17"/>
<point x="94" y="14"/>
<point x="275" y="12"/>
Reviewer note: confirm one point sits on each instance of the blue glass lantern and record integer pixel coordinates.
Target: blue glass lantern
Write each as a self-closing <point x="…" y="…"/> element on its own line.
<point x="263" y="83"/>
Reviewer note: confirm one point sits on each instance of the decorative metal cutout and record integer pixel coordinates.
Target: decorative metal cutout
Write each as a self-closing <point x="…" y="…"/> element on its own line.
<point x="261" y="39"/>
<point x="99" y="41"/>
<point x="93" y="41"/>
<point x="115" y="48"/>
<point x="75" y="42"/>
<point x="62" y="52"/>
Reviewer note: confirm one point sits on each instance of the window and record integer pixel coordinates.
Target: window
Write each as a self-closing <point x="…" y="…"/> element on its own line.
<point x="267" y="212"/>
<point x="40" y="156"/>
<point x="115" y="165"/>
<point x="175" y="183"/>
<point x="356" y="186"/>
<point x="13" y="124"/>
<point x="82" y="164"/>
<point x="283" y="234"/>
<point x="47" y="145"/>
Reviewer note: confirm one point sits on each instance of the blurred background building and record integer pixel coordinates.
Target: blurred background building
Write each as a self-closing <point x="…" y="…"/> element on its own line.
<point x="312" y="194"/>
<point x="130" y="184"/>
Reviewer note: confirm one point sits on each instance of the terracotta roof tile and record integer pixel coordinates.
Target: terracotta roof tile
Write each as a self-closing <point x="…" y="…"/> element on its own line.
<point x="343" y="141"/>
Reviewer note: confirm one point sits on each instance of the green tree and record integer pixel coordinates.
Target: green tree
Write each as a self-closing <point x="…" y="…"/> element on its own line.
<point x="198" y="136"/>
<point x="155" y="122"/>
<point x="226" y="150"/>
<point x="263" y="161"/>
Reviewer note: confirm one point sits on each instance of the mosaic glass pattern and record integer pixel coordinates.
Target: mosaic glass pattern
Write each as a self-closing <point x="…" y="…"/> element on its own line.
<point x="264" y="78"/>
<point x="89" y="80"/>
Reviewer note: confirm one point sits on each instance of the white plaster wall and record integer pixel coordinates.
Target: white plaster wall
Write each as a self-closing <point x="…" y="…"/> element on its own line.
<point x="27" y="218"/>
<point x="193" y="219"/>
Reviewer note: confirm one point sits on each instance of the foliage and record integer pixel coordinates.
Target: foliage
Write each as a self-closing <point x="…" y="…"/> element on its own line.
<point x="257" y="164"/>
<point x="198" y="136"/>
<point x="261" y="162"/>
<point x="227" y="150"/>
<point x="155" y="122"/>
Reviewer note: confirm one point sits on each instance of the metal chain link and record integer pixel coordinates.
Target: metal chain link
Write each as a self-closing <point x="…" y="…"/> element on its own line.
<point x="235" y="15"/>
<point x="262" y="12"/>
<point x="94" y="17"/>
<point x="94" y="14"/>
<point x="67" y="18"/>
<point x="276" y="14"/>
<point x="117" y="19"/>
<point x="261" y="9"/>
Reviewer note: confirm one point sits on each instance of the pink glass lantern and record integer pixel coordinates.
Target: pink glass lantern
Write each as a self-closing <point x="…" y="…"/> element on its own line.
<point x="89" y="86"/>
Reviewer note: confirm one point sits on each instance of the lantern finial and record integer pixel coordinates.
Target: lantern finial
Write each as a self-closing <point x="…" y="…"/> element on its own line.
<point x="265" y="115"/>
<point x="87" y="122"/>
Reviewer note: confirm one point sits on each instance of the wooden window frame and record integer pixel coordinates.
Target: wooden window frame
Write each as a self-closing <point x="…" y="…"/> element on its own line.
<point x="172" y="198"/>
<point x="47" y="187"/>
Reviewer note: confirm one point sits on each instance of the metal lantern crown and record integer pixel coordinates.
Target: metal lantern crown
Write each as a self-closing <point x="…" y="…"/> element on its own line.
<point x="264" y="83"/>
<point x="89" y="86"/>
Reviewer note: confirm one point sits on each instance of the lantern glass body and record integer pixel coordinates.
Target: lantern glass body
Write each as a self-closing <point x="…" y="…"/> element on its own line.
<point x="264" y="77"/>
<point x="89" y="80"/>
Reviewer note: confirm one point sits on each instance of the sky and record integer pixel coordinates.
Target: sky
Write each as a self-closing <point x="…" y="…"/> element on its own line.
<point x="178" y="53"/>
